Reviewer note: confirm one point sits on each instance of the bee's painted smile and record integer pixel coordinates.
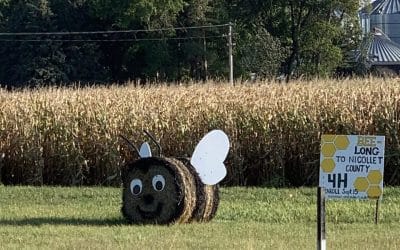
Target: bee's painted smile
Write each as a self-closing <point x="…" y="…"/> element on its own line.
<point x="150" y="214"/>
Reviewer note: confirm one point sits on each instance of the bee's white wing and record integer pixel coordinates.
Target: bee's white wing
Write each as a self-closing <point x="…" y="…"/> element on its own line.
<point x="209" y="156"/>
<point x="145" y="150"/>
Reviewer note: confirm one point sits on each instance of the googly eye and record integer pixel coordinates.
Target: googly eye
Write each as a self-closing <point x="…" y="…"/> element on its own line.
<point x="158" y="182"/>
<point x="136" y="186"/>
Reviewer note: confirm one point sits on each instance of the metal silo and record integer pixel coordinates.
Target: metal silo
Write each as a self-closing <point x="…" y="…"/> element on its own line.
<point x="380" y="52"/>
<point x="365" y="23"/>
<point x="364" y="15"/>
<point x="385" y="15"/>
<point x="383" y="51"/>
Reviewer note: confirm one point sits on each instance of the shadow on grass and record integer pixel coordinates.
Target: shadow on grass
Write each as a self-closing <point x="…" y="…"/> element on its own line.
<point x="38" y="221"/>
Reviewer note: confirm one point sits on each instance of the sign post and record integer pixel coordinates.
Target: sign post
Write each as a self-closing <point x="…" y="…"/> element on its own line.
<point x="321" y="240"/>
<point x="377" y="212"/>
<point x="351" y="167"/>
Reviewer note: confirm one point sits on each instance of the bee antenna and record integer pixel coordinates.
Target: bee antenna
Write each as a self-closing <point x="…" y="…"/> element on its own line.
<point x="154" y="140"/>
<point x="134" y="148"/>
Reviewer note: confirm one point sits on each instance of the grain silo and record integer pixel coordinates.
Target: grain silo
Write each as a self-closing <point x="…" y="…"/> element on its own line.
<point x="380" y="53"/>
<point x="380" y="23"/>
<point x="385" y="15"/>
<point x="364" y="15"/>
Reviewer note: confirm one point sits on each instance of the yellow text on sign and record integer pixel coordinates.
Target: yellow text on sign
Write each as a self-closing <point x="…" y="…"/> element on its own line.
<point x="366" y="141"/>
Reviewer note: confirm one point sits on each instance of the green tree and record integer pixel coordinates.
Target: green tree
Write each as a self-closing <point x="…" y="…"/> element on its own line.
<point x="42" y="60"/>
<point x="329" y="42"/>
<point x="153" y="14"/>
<point x="83" y="60"/>
<point x="296" y="24"/>
<point x="260" y="53"/>
<point x="138" y="59"/>
<point x="3" y="4"/>
<point x="194" y="53"/>
<point x="319" y="54"/>
<point x="30" y="62"/>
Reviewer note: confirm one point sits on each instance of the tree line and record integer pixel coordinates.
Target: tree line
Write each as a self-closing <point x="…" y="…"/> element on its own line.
<point x="272" y="37"/>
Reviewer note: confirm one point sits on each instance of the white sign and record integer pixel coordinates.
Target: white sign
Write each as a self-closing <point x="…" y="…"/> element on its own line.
<point x="351" y="166"/>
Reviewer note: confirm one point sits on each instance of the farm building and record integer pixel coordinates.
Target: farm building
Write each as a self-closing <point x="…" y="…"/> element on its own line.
<point x="380" y="23"/>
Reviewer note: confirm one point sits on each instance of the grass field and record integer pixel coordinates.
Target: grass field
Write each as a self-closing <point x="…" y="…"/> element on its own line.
<point x="248" y="218"/>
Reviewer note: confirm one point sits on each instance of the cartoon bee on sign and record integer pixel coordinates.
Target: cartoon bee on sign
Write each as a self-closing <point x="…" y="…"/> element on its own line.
<point x="162" y="190"/>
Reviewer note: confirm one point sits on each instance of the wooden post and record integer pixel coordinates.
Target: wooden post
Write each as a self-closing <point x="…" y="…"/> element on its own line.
<point x="377" y="212"/>
<point x="321" y="239"/>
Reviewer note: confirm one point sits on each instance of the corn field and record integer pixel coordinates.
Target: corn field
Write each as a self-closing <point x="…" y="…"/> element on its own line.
<point x="70" y="136"/>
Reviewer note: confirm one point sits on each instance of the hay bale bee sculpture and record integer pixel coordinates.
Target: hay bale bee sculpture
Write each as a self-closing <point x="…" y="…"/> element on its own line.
<point x="161" y="190"/>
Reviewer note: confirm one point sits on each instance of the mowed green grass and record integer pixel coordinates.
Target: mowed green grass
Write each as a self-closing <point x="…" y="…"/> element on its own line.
<point x="248" y="218"/>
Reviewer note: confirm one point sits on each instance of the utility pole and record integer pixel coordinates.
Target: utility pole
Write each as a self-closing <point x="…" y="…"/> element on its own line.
<point x="230" y="45"/>
<point x="205" y="75"/>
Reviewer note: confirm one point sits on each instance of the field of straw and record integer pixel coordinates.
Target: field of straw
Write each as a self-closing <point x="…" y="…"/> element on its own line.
<point x="70" y="136"/>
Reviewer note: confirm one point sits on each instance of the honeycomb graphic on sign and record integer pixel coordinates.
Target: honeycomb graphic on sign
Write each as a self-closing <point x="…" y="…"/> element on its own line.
<point x="342" y="142"/>
<point x="328" y="149"/>
<point x="374" y="177"/>
<point x="328" y="165"/>
<point x="361" y="184"/>
<point x="370" y="184"/>
<point x="329" y="145"/>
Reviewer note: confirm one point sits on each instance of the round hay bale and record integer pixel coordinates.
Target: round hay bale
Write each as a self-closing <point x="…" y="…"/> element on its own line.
<point x="158" y="191"/>
<point x="207" y="196"/>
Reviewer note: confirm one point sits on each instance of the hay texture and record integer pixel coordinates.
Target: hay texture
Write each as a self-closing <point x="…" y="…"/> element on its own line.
<point x="207" y="196"/>
<point x="181" y="198"/>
